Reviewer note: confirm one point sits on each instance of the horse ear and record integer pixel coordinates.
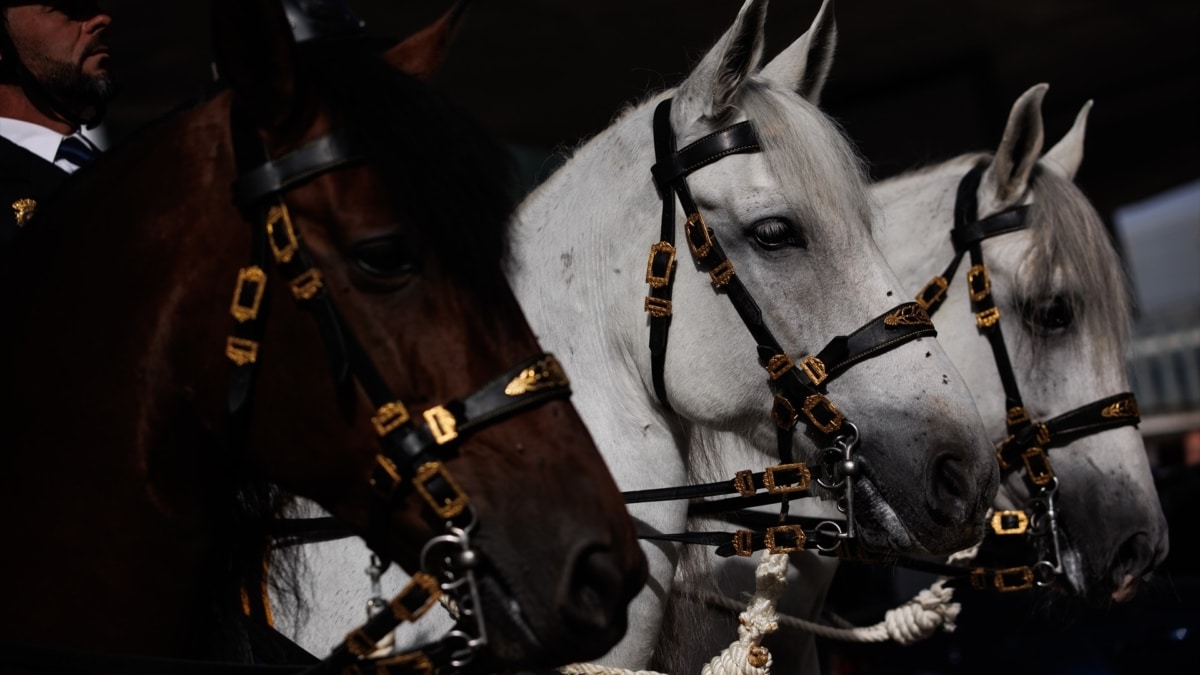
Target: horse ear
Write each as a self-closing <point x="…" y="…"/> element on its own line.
<point x="804" y="66"/>
<point x="255" y="53"/>
<point x="1066" y="155"/>
<point x="714" y="84"/>
<point x="422" y="53"/>
<point x="1020" y="147"/>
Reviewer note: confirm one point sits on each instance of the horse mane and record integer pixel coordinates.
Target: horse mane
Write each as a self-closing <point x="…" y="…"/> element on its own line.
<point x="1068" y="238"/>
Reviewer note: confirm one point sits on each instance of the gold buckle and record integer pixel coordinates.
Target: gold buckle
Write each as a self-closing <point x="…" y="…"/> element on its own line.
<point x="927" y="300"/>
<point x="974" y="273"/>
<point x="452" y="506"/>
<point x="1126" y="407"/>
<point x="655" y="249"/>
<point x="812" y="402"/>
<point x="1013" y="579"/>
<point x="696" y="220"/>
<point x="359" y="643"/>
<point x="721" y="274"/>
<point x="658" y="307"/>
<point x="248" y="275"/>
<point x="814" y="368"/>
<point x="241" y="350"/>
<point x="784" y="413"/>
<point x="778" y="366"/>
<point x="442" y="424"/>
<point x="801" y="481"/>
<point x="390" y="470"/>
<point x="743" y="482"/>
<point x="908" y="315"/>
<point x="412" y="662"/>
<point x="988" y="317"/>
<point x="419" y="580"/>
<point x="307" y="285"/>
<point x="547" y="373"/>
<point x="1000" y="528"/>
<point x="278" y="215"/>
<point x="1039" y="477"/>
<point x="794" y="530"/>
<point x="743" y="543"/>
<point x="1000" y="448"/>
<point x="1043" y="435"/>
<point x="1015" y="416"/>
<point x="390" y="416"/>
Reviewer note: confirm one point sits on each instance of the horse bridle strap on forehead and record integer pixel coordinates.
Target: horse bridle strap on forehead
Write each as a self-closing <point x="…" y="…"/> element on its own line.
<point x="411" y="450"/>
<point x="1027" y="441"/>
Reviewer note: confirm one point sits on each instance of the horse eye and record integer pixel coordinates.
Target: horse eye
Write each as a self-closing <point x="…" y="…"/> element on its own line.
<point x="383" y="257"/>
<point x="775" y="233"/>
<point x="1050" y="316"/>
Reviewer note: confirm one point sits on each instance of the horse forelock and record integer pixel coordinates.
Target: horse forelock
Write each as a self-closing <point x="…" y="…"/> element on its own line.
<point x="1073" y="250"/>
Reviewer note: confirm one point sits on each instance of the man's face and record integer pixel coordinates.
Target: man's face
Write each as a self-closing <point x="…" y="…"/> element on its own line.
<point x="62" y="44"/>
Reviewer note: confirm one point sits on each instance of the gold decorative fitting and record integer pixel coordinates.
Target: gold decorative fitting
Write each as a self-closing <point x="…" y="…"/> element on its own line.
<point x="784" y="413"/>
<point x="1013" y="579"/>
<point x="758" y="657"/>
<point x="359" y="643"/>
<point x="1042" y="473"/>
<point x="1043" y="435"/>
<point x="385" y="470"/>
<point x="1126" y="407"/>
<point x="412" y="662"/>
<point x="389" y="418"/>
<point x="797" y="534"/>
<point x="654" y="280"/>
<point x="448" y="507"/>
<point x="980" y="291"/>
<point x="658" y="307"/>
<point x="1000" y="448"/>
<point x="743" y="482"/>
<point x="814" y="368"/>
<point x="547" y="373"/>
<point x="743" y="543"/>
<point x="23" y="210"/>
<point x="256" y="278"/>
<point x="721" y="274"/>
<point x="421" y="581"/>
<point x="778" y="366"/>
<point x="695" y="223"/>
<point x="1015" y="416"/>
<point x="988" y="317"/>
<point x="830" y="425"/>
<point x="241" y="351"/>
<point x="442" y="424"/>
<point x="908" y="315"/>
<point x="1010" y="522"/>
<point x="933" y="292"/>
<point x="280" y="234"/>
<point x="801" y="483"/>
<point x="308" y="284"/>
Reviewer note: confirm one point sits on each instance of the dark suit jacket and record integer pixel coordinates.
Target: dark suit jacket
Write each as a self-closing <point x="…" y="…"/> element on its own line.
<point x="25" y="181"/>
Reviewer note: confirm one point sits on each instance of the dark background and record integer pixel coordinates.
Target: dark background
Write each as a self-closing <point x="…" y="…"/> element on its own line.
<point x="914" y="81"/>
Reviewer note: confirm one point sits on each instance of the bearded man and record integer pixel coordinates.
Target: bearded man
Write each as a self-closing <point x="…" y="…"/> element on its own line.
<point x="54" y="83"/>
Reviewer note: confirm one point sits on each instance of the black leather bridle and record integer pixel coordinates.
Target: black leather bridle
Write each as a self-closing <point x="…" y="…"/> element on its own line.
<point x="1027" y="441"/>
<point x="800" y="389"/>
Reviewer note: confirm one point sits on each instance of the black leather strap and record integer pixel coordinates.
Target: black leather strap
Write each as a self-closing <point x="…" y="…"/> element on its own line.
<point x="331" y="151"/>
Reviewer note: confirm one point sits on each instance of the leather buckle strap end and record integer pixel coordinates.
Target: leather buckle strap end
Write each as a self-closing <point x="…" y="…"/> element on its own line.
<point x="439" y="490"/>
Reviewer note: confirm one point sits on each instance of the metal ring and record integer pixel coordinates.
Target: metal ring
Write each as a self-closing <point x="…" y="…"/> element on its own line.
<point x="1044" y="573"/>
<point x="833" y="530"/>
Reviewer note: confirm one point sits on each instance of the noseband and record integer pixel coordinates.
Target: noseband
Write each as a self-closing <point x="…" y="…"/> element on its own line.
<point x="411" y="451"/>
<point x="1027" y="441"/>
<point x="799" y="389"/>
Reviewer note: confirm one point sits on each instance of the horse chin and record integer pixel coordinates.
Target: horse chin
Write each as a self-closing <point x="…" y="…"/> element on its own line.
<point x="879" y="526"/>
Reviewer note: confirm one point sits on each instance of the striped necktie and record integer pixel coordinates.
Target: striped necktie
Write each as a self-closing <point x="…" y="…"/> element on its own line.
<point x="76" y="151"/>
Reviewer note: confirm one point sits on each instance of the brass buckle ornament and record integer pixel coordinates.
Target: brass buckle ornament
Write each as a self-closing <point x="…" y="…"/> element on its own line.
<point x="1042" y="473"/>
<point x="933" y="292"/>
<point x="1126" y="407"/>
<point x="359" y="643"/>
<point x="389" y="417"/>
<point x="695" y="223"/>
<point x="803" y="477"/>
<point x="417" y="662"/>
<point x="721" y="274"/>
<point x="1015" y="415"/>
<point x="657" y="281"/>
<point x="743" y="543"/>
<point x="281" y="236"/>
<point x="448" y="507"/>
<point x="241" y="350"/>
<point x="252" y="282"/>
<point x="979" y="291"/>
<point x="1043" y="435"/>
<point x="743" y="482"/>
<point x="385" y="477"/>
<point x="778" y="366"/>
<point x="772" y="542"/>
<point x="442" y="424"/>
<point x="421" y="581"/>
<point x="547" y="373"/>
<point x="1013" y="579"/>
<point x="658" y="307"/>
<point x="307" y="284"/>
<point x="814" y="368"/>
<point x="784" y="413"/>
<point x="988" y="317"/>
<point x="835" y="419"/>
<point x="908" y="315"/>
<point x="1010" y="522"/>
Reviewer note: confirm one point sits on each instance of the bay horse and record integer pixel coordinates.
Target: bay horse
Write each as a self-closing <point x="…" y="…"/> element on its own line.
<point x="160" y="365"/>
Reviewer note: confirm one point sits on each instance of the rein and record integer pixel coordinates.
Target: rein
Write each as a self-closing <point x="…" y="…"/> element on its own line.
<point x="1027" y="441"/>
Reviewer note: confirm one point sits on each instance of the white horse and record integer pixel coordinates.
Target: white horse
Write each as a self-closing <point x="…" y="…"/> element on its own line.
<point x="1064" y="312"/>
<point x="794" y="220"/>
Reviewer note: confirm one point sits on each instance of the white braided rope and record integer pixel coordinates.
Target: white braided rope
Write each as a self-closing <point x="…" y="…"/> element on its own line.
<point x="747" y="656"/>
<point x="597" y="669"/>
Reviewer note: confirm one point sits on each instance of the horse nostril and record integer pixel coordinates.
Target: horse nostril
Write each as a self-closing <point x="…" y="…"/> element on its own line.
<point x="949" y="490"/>
<point x="593" y="601"/>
